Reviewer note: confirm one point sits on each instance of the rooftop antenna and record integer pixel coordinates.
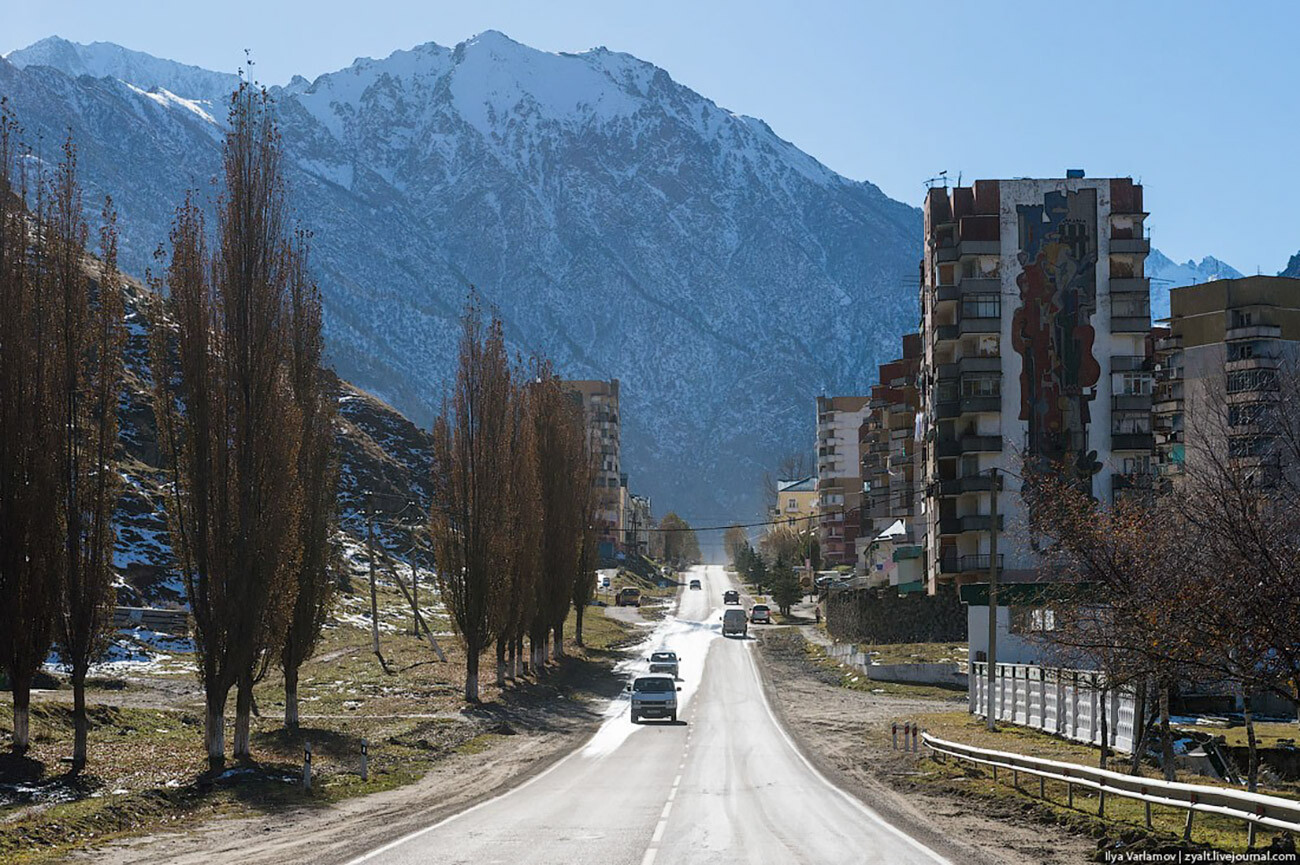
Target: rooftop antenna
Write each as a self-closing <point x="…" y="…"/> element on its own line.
<point x="942" y="176"/>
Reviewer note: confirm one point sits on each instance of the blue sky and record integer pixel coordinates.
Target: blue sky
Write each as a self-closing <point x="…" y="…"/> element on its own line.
<point x="1197" y="99"/>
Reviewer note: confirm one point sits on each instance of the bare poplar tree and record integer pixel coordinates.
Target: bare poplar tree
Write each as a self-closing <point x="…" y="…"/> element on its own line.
<point x="91" y="334"/>
<point x="317" y="475"/>
<point x="31" y="521"/>
<point x="518" y="601"/>
<point x="229" y="422"/>
<point x="471" y="489"/>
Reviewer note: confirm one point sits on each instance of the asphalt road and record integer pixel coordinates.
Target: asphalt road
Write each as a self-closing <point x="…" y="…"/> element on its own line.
<point x="723" y="785"/>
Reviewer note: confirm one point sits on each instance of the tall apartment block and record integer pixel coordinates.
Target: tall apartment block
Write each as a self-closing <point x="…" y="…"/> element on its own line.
<point x="1218" y="368"/>
<point x="600" y="407"/>
<point x="888" y="450"/>
<point x="839" y="476"/>
<point x="1035" y="318"/>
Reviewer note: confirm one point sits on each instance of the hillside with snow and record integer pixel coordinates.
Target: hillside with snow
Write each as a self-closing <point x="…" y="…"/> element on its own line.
<point x="625" y="224"/>
<point x="1166" y="274"/>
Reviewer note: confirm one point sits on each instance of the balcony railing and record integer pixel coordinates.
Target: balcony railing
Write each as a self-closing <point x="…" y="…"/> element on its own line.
<point x="1254" y="331"/>
<point x="1132" y="442"/>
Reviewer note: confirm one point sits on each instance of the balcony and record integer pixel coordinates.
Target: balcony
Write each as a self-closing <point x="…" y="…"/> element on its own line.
<point x="980" y="324"/>
<point x="1133" y="245"/>
<point x="1130" y="363"/>
<point x="946" y="293"/>
<point x="968" y="523"/>
<point x="1132" y="442"/>
<point x="946" y="253"/>
<point x="1130" y="284"/>
<point x="1132" y="481"/>
<point x="979" y="247"/>
<point x="1169" y="343"/>
<point x="957" y="486"/>
<point x="1256" y="331"/>
<point x="1131" y="402"/>
<point x="949" y="563"/>
<point x="981" y="444"/>
<point x="979" y="562"/>
<point x="980" y="285"/>
<point x="945" y="332"/>
<point x="1245" y="363"/>
<point x="1130" y="324"/>
<point x="1167" y="406"/>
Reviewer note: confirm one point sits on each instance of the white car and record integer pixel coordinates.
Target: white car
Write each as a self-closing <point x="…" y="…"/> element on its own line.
<point x="664" y="662"/>
<point x="653" y="697"/>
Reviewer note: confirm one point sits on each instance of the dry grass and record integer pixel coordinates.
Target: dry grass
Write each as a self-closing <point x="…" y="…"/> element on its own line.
<point x="1124" y="815"/>
<point x="147" y="765"/>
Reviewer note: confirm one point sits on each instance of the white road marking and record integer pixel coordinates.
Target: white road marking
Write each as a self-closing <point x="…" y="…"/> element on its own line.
<point x="649" y="857"/>
<point x="659" y="832"/>
<point x="671" y="794"/>
<point x="668" y="806"/>
<point x="677" y="780"/>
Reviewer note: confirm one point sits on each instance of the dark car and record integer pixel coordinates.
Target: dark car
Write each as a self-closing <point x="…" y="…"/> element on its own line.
<point x="695" y="584"/>
<point x="731" y="596"/>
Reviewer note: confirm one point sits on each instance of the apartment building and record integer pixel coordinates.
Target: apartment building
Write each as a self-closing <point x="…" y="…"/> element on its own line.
<point x="796" y="502"/>
<point x="637" y="522"/>
<point x="1218" y="369"/>
<point x="839" y="476"/>
<point x="1035" y="323"/>
<point x="887" y="448"/>
<point x="600" y="407"/>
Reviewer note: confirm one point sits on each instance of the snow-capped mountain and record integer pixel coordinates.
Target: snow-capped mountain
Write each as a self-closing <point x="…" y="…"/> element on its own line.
<point x="1166" y="274"/>
<point x="621" y="222"/>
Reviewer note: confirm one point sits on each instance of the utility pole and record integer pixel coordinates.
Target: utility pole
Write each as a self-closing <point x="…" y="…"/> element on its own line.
<point x="990" y="709"/>
<point x="415" y="596"/>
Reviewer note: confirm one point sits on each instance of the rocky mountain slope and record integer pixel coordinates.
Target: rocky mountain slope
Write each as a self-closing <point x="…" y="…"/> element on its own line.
<point x="384" y="458"/>
<point x="626" y="225"/>
<point x="1166" y="274"/>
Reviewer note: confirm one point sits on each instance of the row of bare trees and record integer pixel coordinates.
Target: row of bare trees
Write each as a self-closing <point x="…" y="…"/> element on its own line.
<point x="512" y="505"/>
<point x="246" y="424"/>
<point x="61" y="339"/>
<point x="1196" y="580"/>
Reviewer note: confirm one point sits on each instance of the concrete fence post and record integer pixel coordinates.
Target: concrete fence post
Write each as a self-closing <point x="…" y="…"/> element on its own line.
<point x="916" y="729"/>
<point x="894" y="730"/>
<point x="306" y="766"/>
<point x="365" y="760"/>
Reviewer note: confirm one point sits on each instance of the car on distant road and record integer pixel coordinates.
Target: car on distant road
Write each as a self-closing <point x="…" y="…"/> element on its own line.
<point x="760" y="614"/>
<point x="731" y="596"/>
<point x="695" y="585"/>
<point x="653" y="697"/>
<point x="628" y="596"/>
<point x="735" y="623"/>
<point x="664" y="662"/>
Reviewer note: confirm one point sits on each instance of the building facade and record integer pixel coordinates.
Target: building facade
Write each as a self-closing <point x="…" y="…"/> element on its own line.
<point x="796" y="503"/>
<point x="1218" y="369"/>
<point x="888" y="453"/>
<point x="1035" y="323"/>
<point x="839" y="476"/>
<point x="600" y="407"/>
<point x="637" y="522"/>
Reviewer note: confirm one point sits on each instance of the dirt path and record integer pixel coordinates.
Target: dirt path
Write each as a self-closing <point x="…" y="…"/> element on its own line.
<point x="846" y="735"/>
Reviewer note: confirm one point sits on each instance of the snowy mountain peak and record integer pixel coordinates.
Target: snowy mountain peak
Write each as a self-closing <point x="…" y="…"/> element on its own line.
<point x="144" y="71"/>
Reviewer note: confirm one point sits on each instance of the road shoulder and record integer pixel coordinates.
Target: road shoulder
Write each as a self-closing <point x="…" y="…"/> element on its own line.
<point x="845" y="734"/>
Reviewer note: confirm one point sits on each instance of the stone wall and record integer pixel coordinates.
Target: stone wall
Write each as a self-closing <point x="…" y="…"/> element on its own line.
<point x="882" y="616"/>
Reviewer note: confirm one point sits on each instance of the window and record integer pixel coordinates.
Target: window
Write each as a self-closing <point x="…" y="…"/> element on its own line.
<point x="970" y="465"/>
<point x="1241" y="350"/>
<point x="1242" y="318"/>
<point x="946" y="391"/>
<point x="1137" y="465"/>
<point x="791" y="505"/>
<point x="981" y="306"/>
<point x="1248" y="413"/>
<point x="981" y="385"/>
<point x="1135" y="384"/>
<point x="1028" y="620"/>
<point x="1131" y="422"/>
<point x="1251" y="380"/>
<point x="1130" y="306"/>
<point x="1249" y="446"/>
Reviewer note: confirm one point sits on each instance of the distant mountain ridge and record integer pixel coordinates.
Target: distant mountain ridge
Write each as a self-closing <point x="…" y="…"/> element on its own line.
<point x="626" y="224"/>
<point x="1166" y="274"/>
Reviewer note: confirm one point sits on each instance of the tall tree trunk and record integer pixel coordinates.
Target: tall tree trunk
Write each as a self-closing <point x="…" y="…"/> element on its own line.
<point x="243" y="716"/>
<point x="80" y="723"/>
<point x="1166" y="742"/>
<point x="577" y="627"/>
<point x="557" y="650"/>
<point x="1252" y="760"/>
<point x="291" y="699"/>
<point x="512" y="660"/>
<point x="521" y="659"/>
<point x="214" y="726"/>
<point x="22" y="691"/>
<point x="471" y="674"/>
<point x="501" y="663"/>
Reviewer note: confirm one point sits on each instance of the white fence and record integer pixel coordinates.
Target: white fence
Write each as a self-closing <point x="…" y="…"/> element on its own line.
<point x="1257" y="809"/>
<point x="1065" y="702"/>
<point x="949" y="674"/>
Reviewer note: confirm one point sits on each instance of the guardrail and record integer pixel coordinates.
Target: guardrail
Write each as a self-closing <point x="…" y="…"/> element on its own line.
<point x="1256" y="809"/>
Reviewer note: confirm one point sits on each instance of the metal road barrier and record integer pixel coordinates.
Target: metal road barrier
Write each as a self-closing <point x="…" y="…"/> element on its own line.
<point x="1256" y="809"/>
<point x="176" y="622"/>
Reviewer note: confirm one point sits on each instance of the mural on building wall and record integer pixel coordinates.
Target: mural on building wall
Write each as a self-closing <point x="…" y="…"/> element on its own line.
<point x="1052" y="329"/>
